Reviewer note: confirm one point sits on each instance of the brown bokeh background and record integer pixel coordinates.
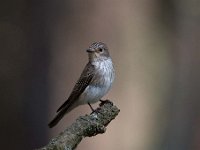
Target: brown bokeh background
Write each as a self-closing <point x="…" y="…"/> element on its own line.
<point x="155" y="46"/>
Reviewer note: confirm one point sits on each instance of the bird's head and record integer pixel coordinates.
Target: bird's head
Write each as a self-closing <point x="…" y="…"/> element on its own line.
<point x="98" y="51"/>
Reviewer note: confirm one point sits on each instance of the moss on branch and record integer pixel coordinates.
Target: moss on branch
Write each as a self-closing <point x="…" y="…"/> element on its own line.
<point x="84" y="126"/>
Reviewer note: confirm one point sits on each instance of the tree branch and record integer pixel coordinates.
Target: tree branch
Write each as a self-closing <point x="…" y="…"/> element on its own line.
<point x="84" y="126"/>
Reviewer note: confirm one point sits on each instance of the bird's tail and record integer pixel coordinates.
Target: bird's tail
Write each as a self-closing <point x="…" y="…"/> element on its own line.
<point x="56" y="119"/>
<point x="60" y="115"/>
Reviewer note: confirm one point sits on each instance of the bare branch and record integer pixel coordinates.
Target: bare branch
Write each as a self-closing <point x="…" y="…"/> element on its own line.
<point x="84" y="126"/>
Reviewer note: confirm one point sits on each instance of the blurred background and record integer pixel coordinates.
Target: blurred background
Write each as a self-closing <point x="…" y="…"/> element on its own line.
<point x="155" y="46"/>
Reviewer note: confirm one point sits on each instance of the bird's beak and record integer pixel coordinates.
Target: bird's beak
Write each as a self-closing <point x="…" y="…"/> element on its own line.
<point x="90" y="50"/>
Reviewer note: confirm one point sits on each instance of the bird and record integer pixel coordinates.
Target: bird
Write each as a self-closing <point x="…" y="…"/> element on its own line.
<point x="94" y="82"/>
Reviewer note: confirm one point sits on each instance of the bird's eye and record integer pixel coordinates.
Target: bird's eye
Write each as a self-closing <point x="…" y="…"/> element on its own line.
<point x="100" y="50"/>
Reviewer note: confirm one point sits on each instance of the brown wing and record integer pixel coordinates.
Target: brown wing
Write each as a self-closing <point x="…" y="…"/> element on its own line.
<point x="83" y="82"/>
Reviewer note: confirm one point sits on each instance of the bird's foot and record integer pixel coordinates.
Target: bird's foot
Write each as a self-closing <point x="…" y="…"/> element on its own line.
<point x="105" y="101"/>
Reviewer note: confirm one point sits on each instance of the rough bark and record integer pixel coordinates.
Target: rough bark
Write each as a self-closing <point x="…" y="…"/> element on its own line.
<point x="84" y="126"/>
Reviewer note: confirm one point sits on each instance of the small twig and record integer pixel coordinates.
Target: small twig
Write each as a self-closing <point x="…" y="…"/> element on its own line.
<point x="84" y="126"/>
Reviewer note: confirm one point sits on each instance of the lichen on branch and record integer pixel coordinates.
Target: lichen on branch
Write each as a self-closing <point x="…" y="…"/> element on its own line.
<point x="84" y="126"/>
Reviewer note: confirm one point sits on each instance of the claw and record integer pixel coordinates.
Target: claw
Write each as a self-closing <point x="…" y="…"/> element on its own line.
<point x="105" y="101"/>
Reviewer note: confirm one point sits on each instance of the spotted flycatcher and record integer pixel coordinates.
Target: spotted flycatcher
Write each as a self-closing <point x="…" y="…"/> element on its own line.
<point x="94" y="82"/>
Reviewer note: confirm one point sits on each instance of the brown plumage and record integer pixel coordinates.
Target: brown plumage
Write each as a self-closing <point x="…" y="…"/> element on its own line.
<point x="94" y="82"/>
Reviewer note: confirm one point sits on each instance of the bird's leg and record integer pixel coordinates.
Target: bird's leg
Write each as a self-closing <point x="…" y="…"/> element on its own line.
<point x="91" y="107"/>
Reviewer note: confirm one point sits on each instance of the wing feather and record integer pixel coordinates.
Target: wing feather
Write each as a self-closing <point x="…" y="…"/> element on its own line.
<point x="84" y="80"/>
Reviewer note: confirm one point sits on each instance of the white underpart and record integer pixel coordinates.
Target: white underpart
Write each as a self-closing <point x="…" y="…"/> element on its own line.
<point x="95" y="92"/>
